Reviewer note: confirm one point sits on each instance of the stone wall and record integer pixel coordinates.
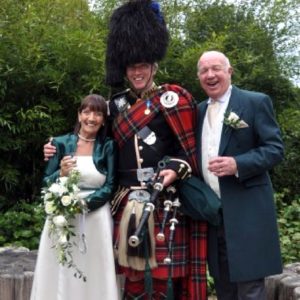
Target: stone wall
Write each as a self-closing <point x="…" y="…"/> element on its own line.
<point x="16" y="273"/>
<point x="285" y="286"/>
<point x="17" y="269"/>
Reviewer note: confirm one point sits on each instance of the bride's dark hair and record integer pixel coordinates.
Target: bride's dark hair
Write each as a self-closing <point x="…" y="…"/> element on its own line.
<point x="95" y="103"/>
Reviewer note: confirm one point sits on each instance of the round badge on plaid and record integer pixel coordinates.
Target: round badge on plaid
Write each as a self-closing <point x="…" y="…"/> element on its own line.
<point x="169" y="99"/>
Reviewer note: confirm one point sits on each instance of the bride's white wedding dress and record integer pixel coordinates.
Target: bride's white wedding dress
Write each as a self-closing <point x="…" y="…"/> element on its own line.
<point x="54" y="282"/>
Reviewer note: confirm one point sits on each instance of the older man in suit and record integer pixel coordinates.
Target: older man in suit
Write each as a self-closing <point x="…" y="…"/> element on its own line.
<point x="238" y="143"/>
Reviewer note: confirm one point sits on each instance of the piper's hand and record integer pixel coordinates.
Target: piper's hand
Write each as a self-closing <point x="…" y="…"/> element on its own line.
<point x="49" y="151"/>
<point x="169" y="176"/>
<point x="67" y="164"/>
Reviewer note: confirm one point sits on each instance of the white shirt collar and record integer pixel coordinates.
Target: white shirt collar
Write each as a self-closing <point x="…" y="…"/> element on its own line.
<point x="224" y="98"/>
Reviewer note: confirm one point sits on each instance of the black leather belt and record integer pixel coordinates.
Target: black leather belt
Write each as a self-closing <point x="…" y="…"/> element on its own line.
<point x="127" y="178"/>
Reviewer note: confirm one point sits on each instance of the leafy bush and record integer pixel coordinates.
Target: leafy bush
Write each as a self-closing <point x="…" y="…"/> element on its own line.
<point x="288" y="216"/>
<point x="287" y="174"/>
<point x="22" y="225"/>
<point x="51" y="55"/>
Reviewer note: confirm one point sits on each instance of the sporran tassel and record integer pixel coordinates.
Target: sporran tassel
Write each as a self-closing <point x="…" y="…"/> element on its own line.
<point x="170" y="291"/>
<point x="146" y="249"/>
<point x="148" y="274"/>
<point x="132" y="251"/>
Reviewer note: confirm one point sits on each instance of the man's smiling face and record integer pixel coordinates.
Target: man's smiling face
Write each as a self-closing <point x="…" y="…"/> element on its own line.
<point x="214" y="73"/>
<point x="141" y="76"/>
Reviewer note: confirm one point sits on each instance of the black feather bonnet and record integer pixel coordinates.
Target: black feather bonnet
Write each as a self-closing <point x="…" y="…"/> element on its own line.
<point x="137" y="33"/>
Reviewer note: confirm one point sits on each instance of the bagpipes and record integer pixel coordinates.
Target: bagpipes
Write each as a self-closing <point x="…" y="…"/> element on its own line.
<point x="157" y="186"/>
<point x="173" y="221"/>
<point x="171" y="205"/>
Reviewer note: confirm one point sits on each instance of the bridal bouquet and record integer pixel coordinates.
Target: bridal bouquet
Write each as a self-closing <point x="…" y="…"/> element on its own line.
<point x="62" y="205"/>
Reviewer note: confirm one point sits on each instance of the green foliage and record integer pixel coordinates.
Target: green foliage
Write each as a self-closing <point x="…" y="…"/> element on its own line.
<point x="289" y="227"/>
<point x="287" y="174"/>
<point x="246" y="32"/>
<point x="210" y="285"/>
<point x="22" y="225"/>
<point x="51" y="55"/>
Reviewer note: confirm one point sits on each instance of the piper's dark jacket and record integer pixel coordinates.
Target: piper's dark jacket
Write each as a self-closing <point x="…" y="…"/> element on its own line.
<point x="104" y="158"/>
<point x="247" y="200"/>
<point x="166" y="145"/>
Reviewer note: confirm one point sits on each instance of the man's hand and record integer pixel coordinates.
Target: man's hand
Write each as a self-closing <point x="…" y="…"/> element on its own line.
<point x="169" y="176"/>
<point x="49" y="151"/>
<point x="222" y="166"/>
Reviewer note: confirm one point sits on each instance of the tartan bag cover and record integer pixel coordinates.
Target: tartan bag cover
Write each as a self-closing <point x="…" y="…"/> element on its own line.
<point x="182" y="120"/>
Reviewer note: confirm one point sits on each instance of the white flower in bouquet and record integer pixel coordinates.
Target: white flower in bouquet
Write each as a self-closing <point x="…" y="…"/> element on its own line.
<point x="63" y="180"/>
<point x="47" y="196"/>
<point x="57" y="189"/>
<point x="63" y="239"/>
<point x="76" y="189"/>
<point x="49" y="207"/>
<point x="66" y="200"/>
<point x="59" y="221"/>
<point x="62" y="205"/>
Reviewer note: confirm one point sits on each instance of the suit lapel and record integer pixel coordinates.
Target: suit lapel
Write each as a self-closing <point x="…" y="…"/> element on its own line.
<point x="234" y="105"/>
<point x="201" y="114"/>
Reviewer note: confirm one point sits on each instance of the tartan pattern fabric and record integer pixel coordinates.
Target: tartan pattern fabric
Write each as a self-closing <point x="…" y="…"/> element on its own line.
<point x="191" y="240"/>
<point x="180" y="249"/>
<point x="197" y="285"/>
<point x="189" y="254"/>
<point x="135" y="290"/>
<point x="129" y="122"/>
<point x="181" y="119"/>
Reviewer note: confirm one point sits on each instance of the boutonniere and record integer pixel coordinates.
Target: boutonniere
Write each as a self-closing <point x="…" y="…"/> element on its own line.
<point x="231" y="119"/>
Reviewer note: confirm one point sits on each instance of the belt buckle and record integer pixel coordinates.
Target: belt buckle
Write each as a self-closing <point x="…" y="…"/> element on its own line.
<point x="144" y="174"/>
<point x="139" y="195"/>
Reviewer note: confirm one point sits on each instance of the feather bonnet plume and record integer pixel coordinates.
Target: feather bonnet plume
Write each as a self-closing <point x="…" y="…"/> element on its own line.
<point x="137" y="33"/>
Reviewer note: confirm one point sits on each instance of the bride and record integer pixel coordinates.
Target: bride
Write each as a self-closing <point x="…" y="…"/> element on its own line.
<point x="94" y="157"/>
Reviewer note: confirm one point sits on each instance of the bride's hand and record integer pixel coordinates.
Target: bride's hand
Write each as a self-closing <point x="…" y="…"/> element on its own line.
<point x="67" y="164"/>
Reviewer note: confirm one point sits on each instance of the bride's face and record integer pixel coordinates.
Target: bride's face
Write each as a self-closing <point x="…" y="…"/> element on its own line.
<point x="90" y="122"/>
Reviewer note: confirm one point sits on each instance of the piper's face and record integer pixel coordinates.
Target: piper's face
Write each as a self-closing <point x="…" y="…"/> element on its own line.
<point x="141" y="76"/>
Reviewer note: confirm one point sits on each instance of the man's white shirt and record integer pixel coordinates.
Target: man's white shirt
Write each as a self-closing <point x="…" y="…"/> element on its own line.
<point x="210" y="140"/>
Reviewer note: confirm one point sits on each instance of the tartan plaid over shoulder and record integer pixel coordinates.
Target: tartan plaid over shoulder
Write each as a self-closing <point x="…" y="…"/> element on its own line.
<point x="181" y="119"/>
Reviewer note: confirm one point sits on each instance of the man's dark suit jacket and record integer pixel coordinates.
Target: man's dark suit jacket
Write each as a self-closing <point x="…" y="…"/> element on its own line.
<point x="247" y="200"/>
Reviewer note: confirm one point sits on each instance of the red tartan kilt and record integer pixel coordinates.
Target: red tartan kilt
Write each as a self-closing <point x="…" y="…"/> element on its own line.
<point x="180" y="249"/>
